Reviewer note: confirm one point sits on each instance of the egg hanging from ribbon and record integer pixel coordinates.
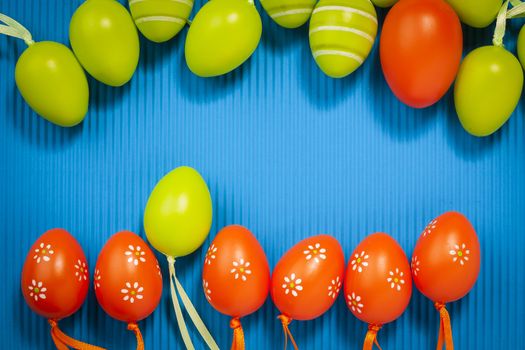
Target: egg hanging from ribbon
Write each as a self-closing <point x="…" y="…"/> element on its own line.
<point x="127" y="280"/>
<point x="446" y="264"/>
<point x="289" y="13"/>
<point x="307" y="279"/>
<point x="222" y="36"/>
<point x="342" y="34"/>
<point x="378" y="284"/>
<point x="105" y="41"/>
<point x="236" y="276"/>
<point x="55" y="281"/>
<point x="160" y="20"/>
<point x="49" y="77"/>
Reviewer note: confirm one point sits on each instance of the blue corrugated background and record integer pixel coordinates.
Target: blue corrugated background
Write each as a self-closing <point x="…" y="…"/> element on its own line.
<point x="287" y="152"/>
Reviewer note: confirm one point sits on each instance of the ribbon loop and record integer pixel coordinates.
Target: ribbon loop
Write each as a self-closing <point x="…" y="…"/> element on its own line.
<point x="285" y="320"/>
<point x="64" y="342"/>
<point x="371" y="337"/>
<point x="238" y="334"/>
<point x="501" y="23"/>
<point x="445" y="328"/>
<point x="178" y="291"/>
<point x="135" y="329"/>
<point x="15" y="29"/>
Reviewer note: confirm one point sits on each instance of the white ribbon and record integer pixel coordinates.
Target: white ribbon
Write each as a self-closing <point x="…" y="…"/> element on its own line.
<point x="15" y="29"/>
<point x="176" y="287"/>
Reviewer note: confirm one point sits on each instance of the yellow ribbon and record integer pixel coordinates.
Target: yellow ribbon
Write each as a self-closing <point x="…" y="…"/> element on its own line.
<point x="176" y="287"/>
<point x="15" y="29"/>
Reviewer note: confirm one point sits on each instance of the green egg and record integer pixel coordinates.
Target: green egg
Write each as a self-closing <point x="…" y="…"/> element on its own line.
<point x="160" y="20"/>
<point x="289" y="13"/>
<point x="487" y="89"/>
<point x="521" y="46"/>
<point x="222" y="36"/>
<point x="384" y="3"/>
<point x="53" y="83"/>
<point x="342" y="33"/>
<point x="105" y="41"/>
<point x="476" y="13"/>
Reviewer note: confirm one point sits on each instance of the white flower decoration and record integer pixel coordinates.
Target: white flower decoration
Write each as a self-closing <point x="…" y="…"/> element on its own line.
<point x="359" y="261"/>
<point x="396" y="279"/>
<point x="132" y="292"/>
<point x="241" y="269"/>
<point x="81" y="270"/>
<point x="315" y="252"/>
<point x="415" y="265"/>
<point x="207" y="290"/>
<point x="334" y="288"/>
<point x="135" y="254"/>
<point x="460" y="253"/>
<point x="431" y="226"/>
<point x="158" y="270"/>
<point x="97" y="278"/>
<point x="43" y="253"/>
<point x="354" y="303"/>
<point x="37" y="290"/>
<point x="210" y="254"/>
<point x="292" y="285"/>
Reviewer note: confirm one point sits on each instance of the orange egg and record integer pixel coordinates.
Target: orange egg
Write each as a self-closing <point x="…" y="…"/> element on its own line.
<point x="55" y="277"/>
<point x="307" y="279"/>
<point x="378" y="285"/>
<point x="446" y="260"/>
<point x="127" y="280"/>
<point x="236" y="275"/>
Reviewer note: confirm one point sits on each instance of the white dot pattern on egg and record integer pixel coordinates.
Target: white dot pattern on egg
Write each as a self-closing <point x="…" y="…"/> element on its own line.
<point x="342" y="33"/>
<point x="160" y="20"/>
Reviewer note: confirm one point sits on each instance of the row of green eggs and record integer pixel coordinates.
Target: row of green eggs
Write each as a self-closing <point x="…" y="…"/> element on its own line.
<point x="105" y="42"/>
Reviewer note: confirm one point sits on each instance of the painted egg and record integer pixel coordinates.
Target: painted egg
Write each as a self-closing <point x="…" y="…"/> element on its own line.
<point x="289" y="13"/>
<point x="384" y="3"/>
<point x="227" y="30"/>
<point x="476" y="13"/>
<point x="160" y="20"/>
<point x="53" y="83"/>
<point x="236" y="275"/>
<point x="378" y="284"/>
<point x="105" y="41"/>
<point x="446" y="260"/>
<point x="342" y="34"/>
<point x="127" y="280"/>
<point x="308" y="278"/>
<point x="55" y="276"/>
<point x="487" y="89"/>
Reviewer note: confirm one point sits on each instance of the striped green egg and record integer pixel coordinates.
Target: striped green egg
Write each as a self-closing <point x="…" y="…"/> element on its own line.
<point x="289" y="13"/>
<point x="342" y="33"/>
<point x="160" y="20"/>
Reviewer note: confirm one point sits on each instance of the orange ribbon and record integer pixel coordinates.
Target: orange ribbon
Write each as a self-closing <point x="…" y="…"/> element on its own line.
<point x="135" y="329"/>
<point x="64" y="342"/>
<point x="371" y="337"/>
<point x="445" y="329"/>
<point x="238" y="334"/>
<point x="285" y="320"/>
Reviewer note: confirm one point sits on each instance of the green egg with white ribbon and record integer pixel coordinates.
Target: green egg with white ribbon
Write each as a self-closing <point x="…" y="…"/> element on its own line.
<point x="160" y="20"/>
<point x="342" y="33"/>
<point x="289" y="13"/>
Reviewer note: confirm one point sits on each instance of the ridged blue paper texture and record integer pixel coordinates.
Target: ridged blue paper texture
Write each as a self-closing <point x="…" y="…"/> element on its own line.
<point x="287" y="152"/>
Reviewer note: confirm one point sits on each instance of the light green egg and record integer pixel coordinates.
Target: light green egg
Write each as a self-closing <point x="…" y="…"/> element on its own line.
<point x="342" y="33"/>
<point x="476" y="13"/>
<point x="53" y="83"/>
<point x="384" y="3"/>
<point x="160" y="20"/>
<point x="105" y="41"/>
<point x="222" y="36"/>
<point x="289" y="13"/>
<point x="487" y="90"/>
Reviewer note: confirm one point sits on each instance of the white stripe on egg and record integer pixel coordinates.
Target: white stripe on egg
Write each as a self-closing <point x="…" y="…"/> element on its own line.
<point x="351" y="55"/>
<point x="292" y="12"/>
<point x="346" y="9"/>
<point x="160" y="19"/>
<point x="342" y="29"/>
